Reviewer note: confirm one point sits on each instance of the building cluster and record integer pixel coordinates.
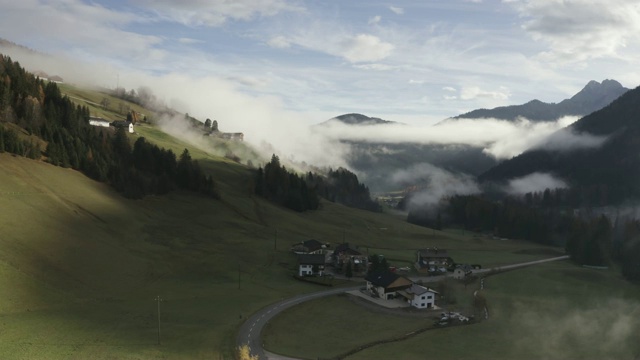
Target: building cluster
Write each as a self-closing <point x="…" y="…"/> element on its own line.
<point x="319" y="259"/>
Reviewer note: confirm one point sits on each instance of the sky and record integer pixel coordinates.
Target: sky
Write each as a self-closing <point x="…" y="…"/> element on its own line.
<point x="416" y="62"/>
<point x="273" y="68"/>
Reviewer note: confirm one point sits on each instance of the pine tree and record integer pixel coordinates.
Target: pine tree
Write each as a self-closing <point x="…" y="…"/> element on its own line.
<point x="349" y="271"/>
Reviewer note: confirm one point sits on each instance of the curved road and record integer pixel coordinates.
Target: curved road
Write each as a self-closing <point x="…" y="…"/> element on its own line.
<point x="251" y="329"/>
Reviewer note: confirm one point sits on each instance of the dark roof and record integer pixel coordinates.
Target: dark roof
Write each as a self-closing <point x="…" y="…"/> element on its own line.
<point x="311" y="259"/>
<point x="344" y="248"/>
<point x="465" y="267"/>
<point x="312" y="245"/>
<point x="433" y="253"/>
<point x="383" y="279"/>
<point x="419" y="290"/>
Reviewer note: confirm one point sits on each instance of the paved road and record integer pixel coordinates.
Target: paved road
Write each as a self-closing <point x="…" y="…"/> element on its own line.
<point x="516" y="266"/>
<point x="252" y="328"/>
<point x="250" y="331"/>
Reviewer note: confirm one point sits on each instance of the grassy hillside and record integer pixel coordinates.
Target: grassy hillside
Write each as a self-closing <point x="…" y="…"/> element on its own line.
<point x="84" y="264"/>
<point x="81" y="266"/>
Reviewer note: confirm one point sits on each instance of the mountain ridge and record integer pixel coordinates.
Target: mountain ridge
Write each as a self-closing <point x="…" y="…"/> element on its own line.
<point x="592" y="97"/>
<point x="613" y="167"/>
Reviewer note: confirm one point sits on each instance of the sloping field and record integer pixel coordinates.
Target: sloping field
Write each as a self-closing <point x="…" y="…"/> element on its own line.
<point x="80" y="266"/>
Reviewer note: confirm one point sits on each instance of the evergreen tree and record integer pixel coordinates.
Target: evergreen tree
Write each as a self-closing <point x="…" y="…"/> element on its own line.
<point x="349" y="270"/>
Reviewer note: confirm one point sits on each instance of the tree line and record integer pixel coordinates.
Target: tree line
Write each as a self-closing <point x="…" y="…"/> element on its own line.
<point x="589" y="239"/>
<point x="275" y="183"/>
<point x="42" y="111"/>
<point x="342" y="186"/>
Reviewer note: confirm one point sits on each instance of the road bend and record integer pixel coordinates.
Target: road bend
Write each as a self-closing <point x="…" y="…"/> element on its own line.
<point x="251" y="330"/>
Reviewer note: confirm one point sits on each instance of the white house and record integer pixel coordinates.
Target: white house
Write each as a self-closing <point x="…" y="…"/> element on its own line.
<point x="123" y="124"/>
<point x="386" y="285"/>
<point x="311" y="264"/>
<point x="462" y="271"/>
<point x="97" y="121"/>
<point x="419" y="296"/>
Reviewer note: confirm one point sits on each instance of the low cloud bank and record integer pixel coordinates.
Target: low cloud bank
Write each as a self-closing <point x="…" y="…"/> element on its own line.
<point x="263" y="119"/>
<point x="606" y="331"/>
<point x="535" y="182"/>
<point x="501" y="139"/>
<point x="437" y="183"/>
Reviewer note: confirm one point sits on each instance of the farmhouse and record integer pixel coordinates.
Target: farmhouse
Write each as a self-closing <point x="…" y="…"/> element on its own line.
<point x="311" y="246"/>
<point x="386" y="285"/>
<point x="123" y="124"/>
<point x="311" y="264"/>
<point x="462" y="271"/>
<point x="432" y="260"/>
<point x="343" y="255"/>
<point x="98" y="121"/>
<point x="419" y="296"/>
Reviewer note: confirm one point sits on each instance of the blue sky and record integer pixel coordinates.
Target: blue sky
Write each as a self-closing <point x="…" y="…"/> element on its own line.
<point x="417" y="62"/>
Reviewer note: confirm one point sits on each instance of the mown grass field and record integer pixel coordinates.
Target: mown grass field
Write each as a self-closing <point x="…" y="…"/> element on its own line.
<point x="80" y="266"/>
<point x="548" y="311"/>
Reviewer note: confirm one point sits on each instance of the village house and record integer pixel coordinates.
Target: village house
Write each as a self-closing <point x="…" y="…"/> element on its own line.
<point x="123" y="124"/>
<point x="311" y="264"/>
<point x="462" y="271"/>
<point x="311" y="246"/>
<point x="386" y="285"/>
<point x="344" y="254"/>
<point x="433" y="260"/>
<point x="98" y="121"/>
<point x="419" y="296"/>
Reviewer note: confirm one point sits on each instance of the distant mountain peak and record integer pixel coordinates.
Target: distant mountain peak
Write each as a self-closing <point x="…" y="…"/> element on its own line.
<point x="594" y="96"/>
<point x="359" y="119"/>
<point x="605" y="85"/>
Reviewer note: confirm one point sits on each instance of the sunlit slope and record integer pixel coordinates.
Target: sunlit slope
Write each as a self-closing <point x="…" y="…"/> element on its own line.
<point x="80" y="266"/>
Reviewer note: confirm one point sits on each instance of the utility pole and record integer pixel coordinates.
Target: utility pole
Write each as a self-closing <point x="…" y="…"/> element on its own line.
<point x="158" y="299"/>
<point x="275" y="241"/>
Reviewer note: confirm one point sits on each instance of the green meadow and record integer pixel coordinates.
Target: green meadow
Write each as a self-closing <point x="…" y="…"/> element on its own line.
<point x="547" y="311"/>
<point x="81" y="267"/>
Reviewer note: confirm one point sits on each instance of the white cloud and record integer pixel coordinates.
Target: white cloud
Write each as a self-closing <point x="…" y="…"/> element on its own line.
<point x="499" y="138"/>
<point x="437" y="183"/>
<point x="578" y="30"/>
<point x="279" y="42"/>
<point x="374" y="20"/>
<point x="449" y="88"/>
<point x="396" y="10"/>
<point x="364" y="47"/>
<point x="474" y="92"/>
<point x="89" y="28"/>
<point x="565" y="139"/>
<point x="535" y="182"/>
<point x="185" y="40"/>
<point x="374" y="66"/>
<point x="214" y="13"/>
